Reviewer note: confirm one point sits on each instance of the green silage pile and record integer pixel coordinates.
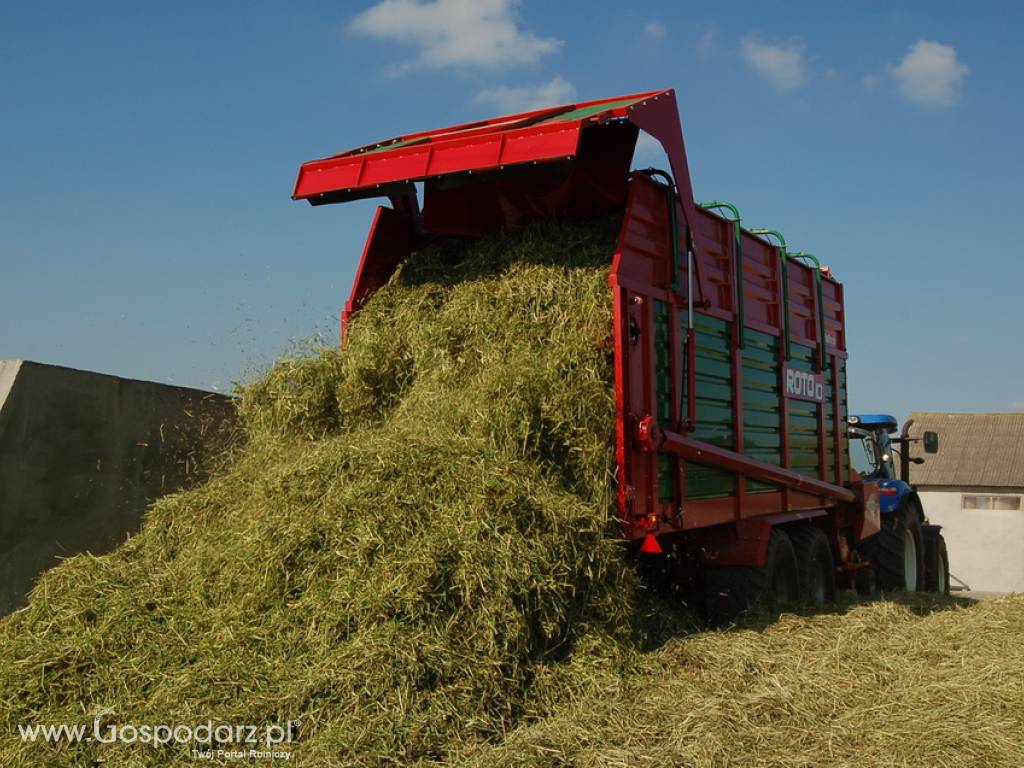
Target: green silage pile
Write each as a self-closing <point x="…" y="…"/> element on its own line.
<point x="416" y="533"/>
<point x="413" y="555"/>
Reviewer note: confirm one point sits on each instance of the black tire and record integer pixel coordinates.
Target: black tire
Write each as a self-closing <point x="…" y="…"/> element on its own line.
<point x="937" y="562"/>
<point x="888" y="550"/>
<point x="730" y="590"/>
<point x="814" y="564"/>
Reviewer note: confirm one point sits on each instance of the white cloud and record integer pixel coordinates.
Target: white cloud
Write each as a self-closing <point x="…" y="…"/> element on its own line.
<point x="552" y="93"/>
<point x="782" y="65"/>
<point x="708" y="42"/>
<point x="481" y="33"/>
<point x="655" y="29"/>
<point x="929" y="73"/>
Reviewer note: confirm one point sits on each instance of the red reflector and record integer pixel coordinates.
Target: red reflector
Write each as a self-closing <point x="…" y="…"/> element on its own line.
<point x="650" y="545"/>
<point x="888" y="491"/>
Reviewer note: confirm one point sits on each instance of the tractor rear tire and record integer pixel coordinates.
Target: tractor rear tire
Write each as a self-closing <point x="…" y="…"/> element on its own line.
<point x="898" y="552"/>
<point x="937" y="564"/>
<point x="814" y="564"/>
<point x="729" y="590"/>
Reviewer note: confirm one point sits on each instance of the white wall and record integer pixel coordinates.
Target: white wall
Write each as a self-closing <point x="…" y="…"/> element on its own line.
<point x="986" y="546"/>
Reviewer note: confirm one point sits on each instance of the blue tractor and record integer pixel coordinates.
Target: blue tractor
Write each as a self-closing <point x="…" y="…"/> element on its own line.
<point x="908" y="553"/>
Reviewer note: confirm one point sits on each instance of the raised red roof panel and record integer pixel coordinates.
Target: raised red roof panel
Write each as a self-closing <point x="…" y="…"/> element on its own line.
<point x="530" y="137"/>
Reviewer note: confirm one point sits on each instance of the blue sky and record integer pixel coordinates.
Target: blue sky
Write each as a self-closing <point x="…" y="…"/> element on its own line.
<point x="147" y="154"/>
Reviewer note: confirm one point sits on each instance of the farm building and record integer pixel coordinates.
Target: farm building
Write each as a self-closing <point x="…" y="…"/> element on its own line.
<point x="974" y="487"/>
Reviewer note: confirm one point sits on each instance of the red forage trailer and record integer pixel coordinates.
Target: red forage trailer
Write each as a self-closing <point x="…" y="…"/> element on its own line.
<point x="730" y="351"/>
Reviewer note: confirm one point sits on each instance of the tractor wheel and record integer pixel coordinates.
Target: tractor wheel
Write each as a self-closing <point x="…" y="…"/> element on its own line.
<point x="898" y="551"/>
<point x="937" y="571"/>
<point x="814" y="564"/>
<point x="729" y="590"/>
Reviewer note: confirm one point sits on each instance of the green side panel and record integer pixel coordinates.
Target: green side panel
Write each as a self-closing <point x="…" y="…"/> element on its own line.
<point x="843" y="415"/>
<point x="396" y="145"/>
<point x="663" y="397"/>
<point x="666" y="478"/>
<point x="803" y="419"/>
<point x="582" y="112"/>
<point x="830" y="434"/>
<point x="762" y="434"/>
<point x="829" y="373"/>
<point x="714" y="407"/>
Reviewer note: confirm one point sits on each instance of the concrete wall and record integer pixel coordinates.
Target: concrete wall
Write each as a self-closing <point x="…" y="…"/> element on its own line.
<point x="83" y="454"/>
<point x="986" y="546"/>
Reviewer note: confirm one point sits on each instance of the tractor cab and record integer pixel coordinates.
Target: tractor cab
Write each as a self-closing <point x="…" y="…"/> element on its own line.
<point x="871" y="450"/>
<point x="875" y="447"/>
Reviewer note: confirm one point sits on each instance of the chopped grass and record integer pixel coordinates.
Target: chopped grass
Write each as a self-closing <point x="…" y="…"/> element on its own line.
<point x="413" y="531"/>
<point x="413" y="554"/>
<point x="923" y="681"/>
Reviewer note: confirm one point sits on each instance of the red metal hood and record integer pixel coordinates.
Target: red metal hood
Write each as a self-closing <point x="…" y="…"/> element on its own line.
<point x="539" y="136"/>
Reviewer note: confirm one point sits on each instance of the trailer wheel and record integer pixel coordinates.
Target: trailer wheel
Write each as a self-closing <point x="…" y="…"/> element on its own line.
<point x="898" y="551"/>
<point x="729" y="590"/>
<point x="937" y="560"/>
<point x="814" y="564"/>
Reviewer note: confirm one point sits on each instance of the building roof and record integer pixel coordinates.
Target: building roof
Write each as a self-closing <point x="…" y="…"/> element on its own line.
<point x="975" y="449"/>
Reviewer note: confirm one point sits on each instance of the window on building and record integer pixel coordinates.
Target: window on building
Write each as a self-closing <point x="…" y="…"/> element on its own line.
<point x="975" y="501"/>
